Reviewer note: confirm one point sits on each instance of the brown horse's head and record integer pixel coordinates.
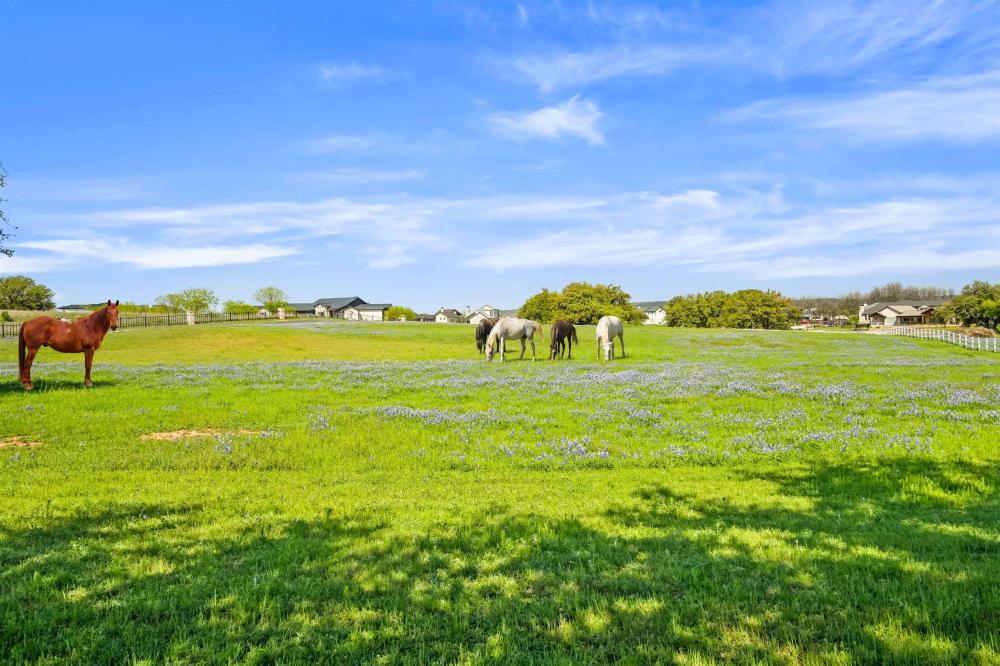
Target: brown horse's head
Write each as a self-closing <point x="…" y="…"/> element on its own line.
<point x="112" y="314"/>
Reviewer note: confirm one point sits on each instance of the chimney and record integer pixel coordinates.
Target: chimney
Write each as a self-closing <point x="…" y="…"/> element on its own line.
<point x="468" y="309"/>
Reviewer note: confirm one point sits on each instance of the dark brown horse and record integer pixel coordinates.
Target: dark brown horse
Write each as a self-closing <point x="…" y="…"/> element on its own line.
<point x="563" y="332"/>
<point x="82" y="336"/>
<point x="483" y="329"/>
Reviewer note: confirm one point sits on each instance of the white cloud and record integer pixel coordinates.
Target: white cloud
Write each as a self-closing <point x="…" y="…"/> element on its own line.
<point x="957" y="109"/>
<point x="65" y="252"/>
<point x="918" y="260"/>
<point x="562" y="70"/>
<point x="834" y="37"/>
<point x="361" y="176"/>
<point x="337" y="143"/>
<point x="757" y="233"/>
<point x="522" y="15"/>
<point x="339" y="74"/>
<point x="783" y="39"/>
<point x="751" y="233"/>
<point x="574" y="117"/>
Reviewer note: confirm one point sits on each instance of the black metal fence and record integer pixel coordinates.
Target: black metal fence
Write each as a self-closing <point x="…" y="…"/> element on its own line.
<point x="142" y="320"/>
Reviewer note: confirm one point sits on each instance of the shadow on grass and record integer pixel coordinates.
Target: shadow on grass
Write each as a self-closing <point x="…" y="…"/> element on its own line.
<point x="896" y="563"/>
<point x="40" y="384"/>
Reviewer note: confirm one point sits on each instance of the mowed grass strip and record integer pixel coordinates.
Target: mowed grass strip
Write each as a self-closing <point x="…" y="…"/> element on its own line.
<point x="379" y="494"/>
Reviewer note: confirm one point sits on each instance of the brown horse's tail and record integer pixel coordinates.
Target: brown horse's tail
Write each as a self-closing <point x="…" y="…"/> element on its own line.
<point x="21" y="344"/>
<point x="573" y="331"/>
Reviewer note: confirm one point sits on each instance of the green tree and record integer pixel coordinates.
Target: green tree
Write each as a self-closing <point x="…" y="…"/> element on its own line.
<point x="977" y="305"/>
<point x="753" y="308"/>
<point x="238" y="307"/>
<point x="696" y="310"/>
<point x="541" y="307"/>
<point x="271" y="298"/>
<point x="397" y="312"/>
<point x="193" y="299"/>
<point x="581" y="303"/>
<point x="20" y="292"/>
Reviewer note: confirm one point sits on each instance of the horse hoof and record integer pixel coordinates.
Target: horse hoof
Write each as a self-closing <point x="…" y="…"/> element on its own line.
<point x="27" y="387"/>
<point x="88" y="385"/>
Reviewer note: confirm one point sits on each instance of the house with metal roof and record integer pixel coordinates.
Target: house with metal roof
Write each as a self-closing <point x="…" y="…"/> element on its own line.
<point x="654" y="311"/>
<point x="338" y="307"/>
<point x="900" y="313"/>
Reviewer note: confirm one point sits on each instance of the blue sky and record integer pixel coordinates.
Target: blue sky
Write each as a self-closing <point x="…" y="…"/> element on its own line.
<point x="452" y="154"/>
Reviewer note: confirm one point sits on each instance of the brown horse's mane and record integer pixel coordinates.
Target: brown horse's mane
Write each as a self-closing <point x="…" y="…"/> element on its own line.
<point x="97" y="321"/>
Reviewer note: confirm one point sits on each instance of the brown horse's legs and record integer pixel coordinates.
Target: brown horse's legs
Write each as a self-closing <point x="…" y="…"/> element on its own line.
<point x="26" y="371"/>
<point x="88" y="360"/>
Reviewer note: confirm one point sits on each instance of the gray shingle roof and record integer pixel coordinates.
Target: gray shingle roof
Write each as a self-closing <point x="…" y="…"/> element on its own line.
<point x="877" y="307"/>
<point x="338" y="303"/>
<point x="374" y="306"/>
<point x="648" y="306"/>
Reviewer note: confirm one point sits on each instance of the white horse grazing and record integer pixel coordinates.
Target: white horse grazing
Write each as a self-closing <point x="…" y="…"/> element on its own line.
<point x="511" y="328"/>
<point x="607" y="328"/>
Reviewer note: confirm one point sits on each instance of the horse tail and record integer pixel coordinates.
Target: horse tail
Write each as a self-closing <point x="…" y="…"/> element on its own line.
<point x="572" y="329"/>
<point x="540" y="330"/>
<point x="21" y="344"/>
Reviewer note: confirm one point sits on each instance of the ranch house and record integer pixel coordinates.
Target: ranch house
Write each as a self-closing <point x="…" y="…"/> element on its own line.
<point x="902" y="313"/>
<point x="654" y="311"/>
<point x="352" y="308"/>
<point x="366" y="312"/>
<point x="483" y="312"/>
<point x="449" y="316"/>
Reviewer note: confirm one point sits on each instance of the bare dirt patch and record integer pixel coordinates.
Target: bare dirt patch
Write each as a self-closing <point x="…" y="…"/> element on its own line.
<point x="175" y="435"/>
<point x="17" y="443"/>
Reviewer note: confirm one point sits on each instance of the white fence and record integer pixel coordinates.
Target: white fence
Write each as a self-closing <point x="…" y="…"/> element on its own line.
<point x="966" y="341"/>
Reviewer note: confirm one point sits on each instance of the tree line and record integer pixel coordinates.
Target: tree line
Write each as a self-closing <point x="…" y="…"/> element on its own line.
<point x="747" y="308"/>
<point x="848" y="304"/>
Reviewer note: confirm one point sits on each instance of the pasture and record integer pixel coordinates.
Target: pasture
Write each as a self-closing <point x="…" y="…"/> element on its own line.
<point x="315" y="491"/>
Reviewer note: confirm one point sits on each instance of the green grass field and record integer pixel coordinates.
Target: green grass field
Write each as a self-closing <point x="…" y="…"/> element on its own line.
<point x="379" y="494"/>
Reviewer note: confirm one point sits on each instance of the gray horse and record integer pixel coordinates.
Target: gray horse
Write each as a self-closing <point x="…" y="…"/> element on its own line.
<point x="511" y="328"/>
<point x="607" y="328"/>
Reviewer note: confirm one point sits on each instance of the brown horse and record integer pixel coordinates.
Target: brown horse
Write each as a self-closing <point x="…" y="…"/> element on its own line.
<point x="82" y="336"/>
<point x="483" y="329"/>
<point x="563" y="332"/>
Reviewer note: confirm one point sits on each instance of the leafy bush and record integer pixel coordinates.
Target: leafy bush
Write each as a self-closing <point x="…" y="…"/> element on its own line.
<point x="238" y="307"/>
<point x="397" y="312"/>
<point x="581" y="303"/>
<point x="748" y="308"/>
<point x="5" y="316"/>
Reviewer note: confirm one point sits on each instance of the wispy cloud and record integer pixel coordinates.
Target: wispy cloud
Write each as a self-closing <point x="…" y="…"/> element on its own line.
<point x="960" y="109"/>
<point x="751" y="233"/>
<point x="340" y="74"/>
<point x="574" y="118"/>
<point x="361" y="176"/>
<point x="63" y="253"/>
<point x="835" y="37"/>
<point x="783" y="39"/>
<point x="563" y="70"/>
<point x="338" y="143"/>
